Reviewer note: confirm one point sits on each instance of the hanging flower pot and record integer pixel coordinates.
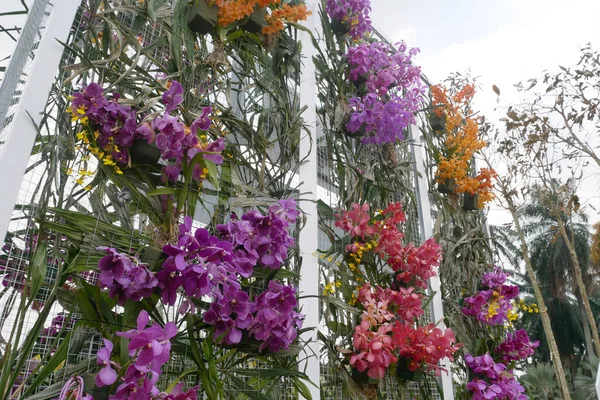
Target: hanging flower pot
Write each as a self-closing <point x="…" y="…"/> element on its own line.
<point x="203" y="16"/>
<point x="143" y="152"/>
<point x="361" y="80"/>
<point x="437" y="122"/>
<point x="446" y="186"/>
<point x="339" y="27"/>
<point x="403" y="373"/>
<point x="362" y="131"/>
<point x="256" y="21"/>
<point x="470" y="202"/>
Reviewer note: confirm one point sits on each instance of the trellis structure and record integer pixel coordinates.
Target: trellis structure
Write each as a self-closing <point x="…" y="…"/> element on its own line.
<point x="30" y="79"/>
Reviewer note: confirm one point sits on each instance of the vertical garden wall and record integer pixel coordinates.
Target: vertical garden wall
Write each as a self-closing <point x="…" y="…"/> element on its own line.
<point x="202" y="216"/>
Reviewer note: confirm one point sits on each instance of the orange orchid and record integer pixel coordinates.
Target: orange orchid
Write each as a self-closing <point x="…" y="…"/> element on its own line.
<point x="231" y="11"/>
<point x="461" y="142"/>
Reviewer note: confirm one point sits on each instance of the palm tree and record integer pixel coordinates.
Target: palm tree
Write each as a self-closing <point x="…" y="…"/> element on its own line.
<point x="550" y="253"/>
<point x="540" y="382"/>
<point x="585" y="381"/>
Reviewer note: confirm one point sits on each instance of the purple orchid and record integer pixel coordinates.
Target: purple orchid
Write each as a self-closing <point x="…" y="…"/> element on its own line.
<point x="352" y="13"/>
<point x="484" y="365"/>
<point x="74" y="387"/>
<point x="107" y="375"/>
<point x="172" y="97"/>
<point x="275" y="322"/>
<point x="125" y="277"/>
<point x="517" y="346"/>
<point x="177" y="393"/>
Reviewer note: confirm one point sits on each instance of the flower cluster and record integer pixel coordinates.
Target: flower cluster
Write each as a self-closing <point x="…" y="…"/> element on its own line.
<point x="204" y="264"/>
<point x="395" y="91"/>
<point x="493" y="380"/>
<point x="124" y="277"/>
<point x="285" y="14"/>
<point x="517" y="346"/>
<point x="461" y="142"/>
<point x="353" y="14"/>
<point x="276" y="323"/>
<point x="492" y="304"/>
<point x="413" y="265"/>
<point x="178" y="142"/>
<point x="231" y="11"/>
<point x="112" y="130"/>
<point x="112" y="127"/>
<point x="424" y="346"/>
<point x="150" y="349"/>
<point x="262" y="239"/>
<point x="387" y="331"/>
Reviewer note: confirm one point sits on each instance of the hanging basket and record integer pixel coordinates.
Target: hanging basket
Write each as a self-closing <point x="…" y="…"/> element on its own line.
<point x="203" y="16"/>
<point x="447" y="186"/>
<point x="438" y="123"/>
<point x="470" y="202"/>
<point x="339" y="27"/>
<point x="403" y="373"/>
<point x="362" y="79"/>
<point x="143" y="152"/>
<point x="256" y="21"/>
<point x="362" y="131"/>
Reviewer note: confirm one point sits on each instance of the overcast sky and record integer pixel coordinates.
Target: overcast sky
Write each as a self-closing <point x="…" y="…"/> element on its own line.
<point x="500" y="41"/>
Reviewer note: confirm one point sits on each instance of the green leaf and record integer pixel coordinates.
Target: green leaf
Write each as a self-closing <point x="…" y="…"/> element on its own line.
<point x="151" y="4"/>
<point x="213" y="173"/>
<point x="160" y="191"/>
<point x="37" y="269"/>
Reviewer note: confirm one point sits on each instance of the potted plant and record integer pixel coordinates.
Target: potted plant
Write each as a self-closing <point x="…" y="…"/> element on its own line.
<point x="203" y="16"/>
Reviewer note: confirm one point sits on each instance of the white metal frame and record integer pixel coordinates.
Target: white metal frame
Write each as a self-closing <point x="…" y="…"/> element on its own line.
<point x="22" y="131"/>
<point x="308" y="240"/>
<point x="424" y="209"/>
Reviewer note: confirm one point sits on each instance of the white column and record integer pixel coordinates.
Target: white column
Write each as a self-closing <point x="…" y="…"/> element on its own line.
<point x="424" y="209"/>
<point x="309" y="280"/>
<point x="598" y="382"/>
<point x="22" y="132"/>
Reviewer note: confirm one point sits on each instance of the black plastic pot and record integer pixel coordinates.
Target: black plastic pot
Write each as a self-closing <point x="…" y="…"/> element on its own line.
<point x="361" y="80"/>
<point x="470" y="202"/>
<point x="437" y="123"/>
<point x="143" y="152"/>
<point x="359" y="133"/>
<point x="203" y="17"/>
<point x="447" y="186"/>
<point x="403" y="373"/>
<point x="339" y="27"/>
<point x="256" y="21"/>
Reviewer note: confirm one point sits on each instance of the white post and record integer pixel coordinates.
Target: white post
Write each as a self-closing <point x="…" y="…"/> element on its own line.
<point x="598" y="382"/>
<point x="309" y="279"/>
<point x="424" y="208"/>
<point x="19" y="139"/>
